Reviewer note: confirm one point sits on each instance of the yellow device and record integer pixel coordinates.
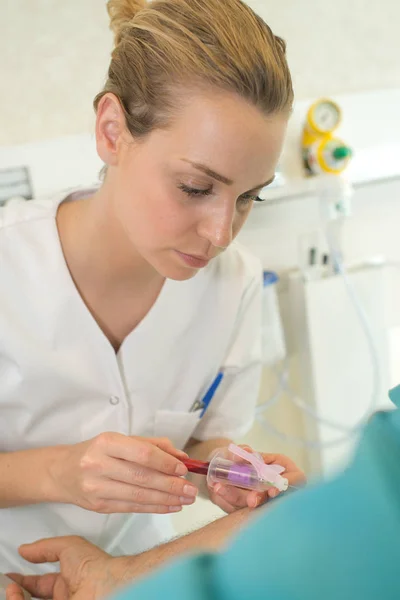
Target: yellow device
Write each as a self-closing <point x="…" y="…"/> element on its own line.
<point x="322" y="151"/>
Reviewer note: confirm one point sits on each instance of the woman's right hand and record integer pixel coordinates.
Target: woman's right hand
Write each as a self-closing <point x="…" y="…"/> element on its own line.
<point x="115" y="473"/>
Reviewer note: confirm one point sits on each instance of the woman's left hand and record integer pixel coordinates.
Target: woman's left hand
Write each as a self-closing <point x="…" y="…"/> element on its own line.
<point x="231" y="498"/>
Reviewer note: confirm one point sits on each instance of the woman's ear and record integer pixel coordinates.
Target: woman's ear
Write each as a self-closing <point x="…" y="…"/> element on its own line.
<point x="110" y="128"/>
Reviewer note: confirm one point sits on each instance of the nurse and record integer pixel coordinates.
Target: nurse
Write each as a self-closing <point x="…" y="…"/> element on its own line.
<point x="120" y="305"/>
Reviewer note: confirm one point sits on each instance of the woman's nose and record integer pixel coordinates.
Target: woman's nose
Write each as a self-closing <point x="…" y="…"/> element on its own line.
<point x="216" y="225"/>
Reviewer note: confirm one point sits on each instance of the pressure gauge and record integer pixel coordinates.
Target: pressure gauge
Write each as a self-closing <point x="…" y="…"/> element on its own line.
<point x="324" y="116"/>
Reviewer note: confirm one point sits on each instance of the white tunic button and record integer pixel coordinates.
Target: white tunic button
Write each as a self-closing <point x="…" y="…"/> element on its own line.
<point x="114" y="400"/>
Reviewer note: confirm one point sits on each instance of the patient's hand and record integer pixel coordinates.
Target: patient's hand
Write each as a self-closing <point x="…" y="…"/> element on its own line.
<point x="231" y="498"/>
<point x="86" y="572"/>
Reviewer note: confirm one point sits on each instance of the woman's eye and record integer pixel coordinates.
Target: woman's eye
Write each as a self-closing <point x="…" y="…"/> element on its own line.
<point x="194" y="192"/>
<point x="247" y="198"/>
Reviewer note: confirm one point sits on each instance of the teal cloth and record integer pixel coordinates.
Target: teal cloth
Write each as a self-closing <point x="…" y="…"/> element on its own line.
<point x="336" y="541"/>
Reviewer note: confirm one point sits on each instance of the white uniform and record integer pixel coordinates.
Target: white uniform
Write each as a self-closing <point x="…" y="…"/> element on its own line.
<point x="62" y="383"/>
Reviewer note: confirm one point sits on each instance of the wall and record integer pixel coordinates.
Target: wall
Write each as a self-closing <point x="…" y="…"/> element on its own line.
<point x="54" y="56"/>
<point x="339" y="46"/>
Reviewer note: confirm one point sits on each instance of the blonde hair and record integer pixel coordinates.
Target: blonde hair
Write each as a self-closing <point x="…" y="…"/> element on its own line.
<point x="170" y="45"/>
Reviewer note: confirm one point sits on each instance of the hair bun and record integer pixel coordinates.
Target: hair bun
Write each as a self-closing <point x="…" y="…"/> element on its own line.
<point x="121" y="12"/>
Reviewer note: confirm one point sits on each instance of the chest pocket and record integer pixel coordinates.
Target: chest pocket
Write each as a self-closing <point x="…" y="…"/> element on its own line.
<point x="176" y="425"/>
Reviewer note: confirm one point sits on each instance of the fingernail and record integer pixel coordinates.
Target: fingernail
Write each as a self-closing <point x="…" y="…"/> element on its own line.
<point x="181" y="470"/>
<point x="273" y="493"/>
<point x="222" y="491"/>
<point x="175" y="508"/>
<point x="254" y="502"/>
<point x="190" y="490"/>
<point x="184" y="500"/>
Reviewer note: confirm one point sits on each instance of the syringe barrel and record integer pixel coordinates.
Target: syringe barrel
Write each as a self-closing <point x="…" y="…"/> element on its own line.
<point x="227" y="472"/>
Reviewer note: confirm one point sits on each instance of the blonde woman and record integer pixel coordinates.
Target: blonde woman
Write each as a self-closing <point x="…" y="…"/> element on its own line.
<point x="119" y="306"/>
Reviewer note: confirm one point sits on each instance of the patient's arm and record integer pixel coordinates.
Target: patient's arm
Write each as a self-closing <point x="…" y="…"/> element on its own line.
<point x="210" y="537"/>
<point x="88" y="572"/>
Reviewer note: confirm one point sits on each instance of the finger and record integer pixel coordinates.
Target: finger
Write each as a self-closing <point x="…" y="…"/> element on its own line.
<point x="273" y="492"/>
<point x="246" y="447"/>
<point x="242" y="498"/>
<point x="49" y="549"/>
<point x="135" y="494"/>
<point x="297" y="478"/>
<point x="255" y="499"/>
<point x="115" y="506"/>
<point x="61" y="590"/>
<point x="143" y="477"/>
<point x="280" y="459"/>
<point x="144" y="453"/>
<point x="39" y="586"/>
<point x="233" y="496"/>
<point x="223" y="504"/>
<point x="166" y="445"/>
<point x="14" y="592"/>
<point x="292" y="473"/>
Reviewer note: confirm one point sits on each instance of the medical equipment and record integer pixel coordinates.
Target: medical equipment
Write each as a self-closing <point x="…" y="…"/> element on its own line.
<point x="335" y="205"/>
<point x="328" y="157"/>
<point x="322" y="151"/>
<point x="273" y="347"/>
<point x="250" y="472"/>
<point x="231" y="466"/>
<point x="4" y="583"/>
<point x="334" y="195"/>
<point x="323" y="117"/>
<point x="273" y="339"/>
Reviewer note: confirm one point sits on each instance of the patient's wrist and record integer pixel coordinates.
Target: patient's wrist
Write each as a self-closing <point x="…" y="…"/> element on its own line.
<point x="122" y="570"/>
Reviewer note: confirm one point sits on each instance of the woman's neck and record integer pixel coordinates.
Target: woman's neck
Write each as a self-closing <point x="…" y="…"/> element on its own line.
<point x="97" y="249"/>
